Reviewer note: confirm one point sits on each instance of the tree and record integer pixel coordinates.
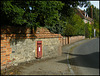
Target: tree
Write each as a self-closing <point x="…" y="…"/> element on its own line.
<point x="78" y="24"/>
<point x="96" y="26"/>
<point x="74" y="26"/>
<point x="68" y="30"/>
<point x="95" y="17"/>
<point x="69" y="6"/>
<point x="95" y="12"/>
<point x="11" y="13"/>
<point x="66" y="11"/>
<point x="50" y="14"/>
<point x="41" y="13"/>
<point x="88" y="30"/>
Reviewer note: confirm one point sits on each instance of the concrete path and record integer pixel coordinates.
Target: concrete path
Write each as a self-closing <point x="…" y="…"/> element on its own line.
<point x="51" y="66"/>
<point x="47" y="67"/>
<point x="54" y="66"/>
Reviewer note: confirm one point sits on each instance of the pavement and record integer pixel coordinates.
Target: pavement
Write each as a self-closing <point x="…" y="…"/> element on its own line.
<point x="53" y="66"/>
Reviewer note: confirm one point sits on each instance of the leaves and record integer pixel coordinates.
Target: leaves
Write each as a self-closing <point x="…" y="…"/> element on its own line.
<point x="95" y="17"/>
<point x="51" y="14"/>
<point x="74" y="26"/>
<point x="69" y="30"/>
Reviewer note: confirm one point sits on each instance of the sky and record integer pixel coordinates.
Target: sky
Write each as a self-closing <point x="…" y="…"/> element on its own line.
<point x="95" y="3"/>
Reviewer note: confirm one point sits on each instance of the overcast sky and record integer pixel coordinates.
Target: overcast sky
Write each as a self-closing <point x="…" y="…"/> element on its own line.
<point x="95" y="3"/>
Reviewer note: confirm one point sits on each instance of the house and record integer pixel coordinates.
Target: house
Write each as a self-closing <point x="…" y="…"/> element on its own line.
<point x="84" y="16"/>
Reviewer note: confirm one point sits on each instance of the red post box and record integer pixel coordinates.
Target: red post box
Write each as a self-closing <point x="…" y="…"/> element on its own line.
<point x="39" y="49"/>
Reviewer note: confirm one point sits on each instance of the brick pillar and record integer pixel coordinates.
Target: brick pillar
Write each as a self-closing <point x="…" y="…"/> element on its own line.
<point x="68" y="40"/>
<point x="60" y="47"/>
<point x="5" y="51"/>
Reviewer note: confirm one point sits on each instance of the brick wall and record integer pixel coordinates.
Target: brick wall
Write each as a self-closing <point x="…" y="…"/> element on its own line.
<point x="12" y="35"/>
<point x="76" y="38"/>
<point x="71" y="39"/>
<point x="64" y="40"/>
<point x="5" y="51"/>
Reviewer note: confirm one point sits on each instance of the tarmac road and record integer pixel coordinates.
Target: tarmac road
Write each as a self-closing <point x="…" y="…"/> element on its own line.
<point x="86" y="57"/>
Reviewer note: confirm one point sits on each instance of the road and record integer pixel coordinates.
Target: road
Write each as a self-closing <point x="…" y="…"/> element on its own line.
<point x="86" y="58"/>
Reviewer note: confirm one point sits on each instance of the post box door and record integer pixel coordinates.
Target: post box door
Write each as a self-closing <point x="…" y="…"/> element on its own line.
<point x="39" y="50"/>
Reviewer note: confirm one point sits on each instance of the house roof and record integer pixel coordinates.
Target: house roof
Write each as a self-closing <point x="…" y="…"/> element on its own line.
<point x="81" y="13"/>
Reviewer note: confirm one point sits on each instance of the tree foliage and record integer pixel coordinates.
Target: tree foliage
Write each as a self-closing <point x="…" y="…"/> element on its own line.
<point x="68" y="8"/>
<point x="41" y="13"/>
<point x="74" y="26"/>
<point x="95" y="17"/>
<point x="64" y="13"/>
<point x="95" y="12"/>
<point x="88" y="30"/>
<point x="51" y="14"/>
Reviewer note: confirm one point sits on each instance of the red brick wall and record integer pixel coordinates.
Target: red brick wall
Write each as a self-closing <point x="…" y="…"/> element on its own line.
<point x="75" y="38"/>
<point x="64" y="40"/>
<point x="5" y="51"/>
<point x="71" y="39"/>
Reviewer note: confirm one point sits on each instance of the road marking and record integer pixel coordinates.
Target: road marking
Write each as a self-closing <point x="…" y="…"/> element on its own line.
<point x="72" y="72"/>
<point x="80" y="42"/>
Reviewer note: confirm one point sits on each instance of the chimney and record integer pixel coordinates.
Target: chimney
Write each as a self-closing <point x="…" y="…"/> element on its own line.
<point x="91" y="12"/>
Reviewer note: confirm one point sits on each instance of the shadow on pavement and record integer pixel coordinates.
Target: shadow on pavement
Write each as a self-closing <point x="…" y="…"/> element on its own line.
<point x="89" y="60"/>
